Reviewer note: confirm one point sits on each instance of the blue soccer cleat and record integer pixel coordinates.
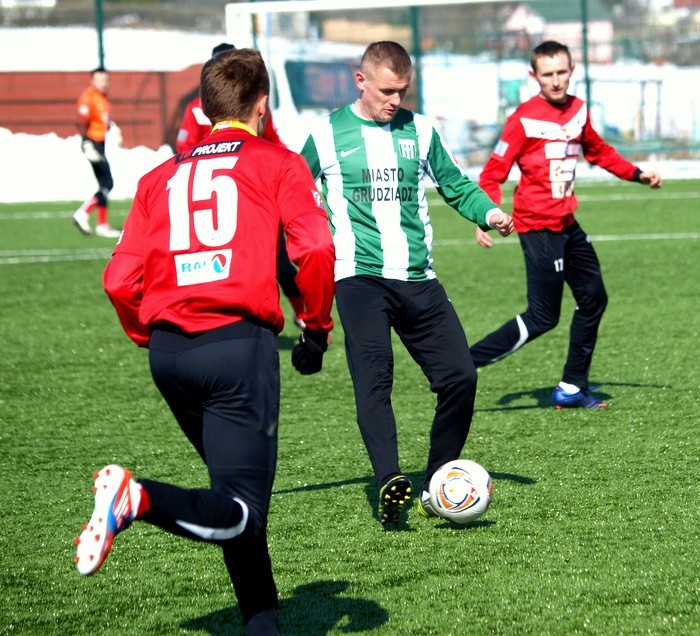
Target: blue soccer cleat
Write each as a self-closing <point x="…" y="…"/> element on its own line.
<point x="580" y="399"/>
<point x="114" y="511"/>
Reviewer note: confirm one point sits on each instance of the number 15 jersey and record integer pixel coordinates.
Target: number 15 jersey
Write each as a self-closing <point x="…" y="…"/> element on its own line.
<point x="199" y="246"/>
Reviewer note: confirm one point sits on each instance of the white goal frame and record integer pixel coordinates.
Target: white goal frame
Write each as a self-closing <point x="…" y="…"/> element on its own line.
<point x="239" y="16"/>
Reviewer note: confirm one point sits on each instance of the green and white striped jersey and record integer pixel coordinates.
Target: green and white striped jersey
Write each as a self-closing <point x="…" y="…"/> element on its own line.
<point x="372" y="177"/>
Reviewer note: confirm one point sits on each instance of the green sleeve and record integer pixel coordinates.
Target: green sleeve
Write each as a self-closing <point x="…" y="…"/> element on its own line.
<point x="310" y="154"/>
<point x="457" y="190"/>
<point x="468" y="199"/>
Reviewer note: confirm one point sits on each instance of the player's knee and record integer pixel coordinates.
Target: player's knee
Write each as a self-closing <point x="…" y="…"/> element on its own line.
<point x="594" y="303"/>
<point x="539" y="323"/>
<point x="461" y="380"/>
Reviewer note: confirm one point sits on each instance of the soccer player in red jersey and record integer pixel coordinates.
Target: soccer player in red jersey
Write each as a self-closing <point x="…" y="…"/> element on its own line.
<point x="194" y="128"/>
<point x="93" y="123"/>
<point x="544" y="137"/>
<point x="193" y="278"/>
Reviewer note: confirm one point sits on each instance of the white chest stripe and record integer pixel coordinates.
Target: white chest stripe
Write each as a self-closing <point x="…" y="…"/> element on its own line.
<point x="217" y="534"/>
<point x="379" y="146"/>
<point x="549" y="130"/>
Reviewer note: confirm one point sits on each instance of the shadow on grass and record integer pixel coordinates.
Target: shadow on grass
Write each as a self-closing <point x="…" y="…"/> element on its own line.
<point x="372" y="494"/>
<point x="313" y="609"/>
<point x="542" y="397"/>
<point x="372" y="491"/>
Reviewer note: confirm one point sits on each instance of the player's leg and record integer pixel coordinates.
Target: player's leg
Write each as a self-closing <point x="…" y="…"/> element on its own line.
<point x="235" y="372"/>
<point x="365" y="310"/>
<point x="584" y="276"/>
<point x="81" y="216"/>
<point x="544" y="268"/>
<point x="200" y="378"/>
<point x="433" y="334"/>
<point x="103" y="173"/>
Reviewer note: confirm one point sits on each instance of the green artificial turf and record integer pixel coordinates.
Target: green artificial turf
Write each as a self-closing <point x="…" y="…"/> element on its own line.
<point x="594" y="524"/>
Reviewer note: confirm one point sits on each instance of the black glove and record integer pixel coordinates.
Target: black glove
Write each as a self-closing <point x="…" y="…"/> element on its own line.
<point x="307" y="354"/>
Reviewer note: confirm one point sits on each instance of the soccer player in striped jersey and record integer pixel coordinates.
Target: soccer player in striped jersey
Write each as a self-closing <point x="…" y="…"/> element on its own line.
<point x="371" y="158"/>
<point x="545" y="136"/>
<point x="193" y="278"/>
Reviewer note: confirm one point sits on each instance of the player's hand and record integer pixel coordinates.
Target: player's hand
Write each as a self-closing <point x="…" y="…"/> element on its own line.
<point x="502" y="223"/>
<point x="307" y="354"/>
<point x="483" y="238"/>
<point x="652" y="179"/>
<point x="89" y="150"/>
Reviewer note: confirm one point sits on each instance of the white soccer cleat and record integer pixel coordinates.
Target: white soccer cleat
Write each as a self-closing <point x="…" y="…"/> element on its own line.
<point x="105" y="231"/>
<point x="80" y="220"/>
<point x="114" y="511"/>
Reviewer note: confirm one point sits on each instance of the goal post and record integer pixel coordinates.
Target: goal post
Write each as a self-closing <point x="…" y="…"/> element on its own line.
<point x="240" y="16"/>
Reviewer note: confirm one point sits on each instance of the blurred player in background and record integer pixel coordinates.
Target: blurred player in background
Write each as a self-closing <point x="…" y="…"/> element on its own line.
<point x="372" y="157"/>
<point x="93" y="123"/>
<point x="545" y="137"/>
<point x="193" y="278"/>
<point x="194" y="128"/>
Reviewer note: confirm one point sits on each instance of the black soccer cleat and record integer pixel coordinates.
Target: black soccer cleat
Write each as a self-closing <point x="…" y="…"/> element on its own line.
<point x="393" y="497"/>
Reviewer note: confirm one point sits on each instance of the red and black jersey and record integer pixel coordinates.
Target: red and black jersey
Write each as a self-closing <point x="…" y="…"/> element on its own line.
<point x="196" y="126"/>
<point x="545" y="141"/>
<point x="199" y="247"/>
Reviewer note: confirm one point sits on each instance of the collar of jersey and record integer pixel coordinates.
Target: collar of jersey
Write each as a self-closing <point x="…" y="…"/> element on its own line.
<point x="232" y="123"/>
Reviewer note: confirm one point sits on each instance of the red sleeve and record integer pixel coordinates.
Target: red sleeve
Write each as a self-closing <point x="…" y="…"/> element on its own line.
<point x="602" y="154"/>
<point x="123" y="277"/>
<point x="499" y="164"/>
<point x="123" y="282"/>
<point x="309" y="243"/>
<point x="310" y="248"/>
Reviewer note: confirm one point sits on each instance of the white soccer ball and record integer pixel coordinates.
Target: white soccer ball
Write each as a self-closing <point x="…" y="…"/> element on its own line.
<point x="461" y="490"/>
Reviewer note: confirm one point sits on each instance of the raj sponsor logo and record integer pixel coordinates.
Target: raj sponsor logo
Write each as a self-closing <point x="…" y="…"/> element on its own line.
<point x="202" y="267"/>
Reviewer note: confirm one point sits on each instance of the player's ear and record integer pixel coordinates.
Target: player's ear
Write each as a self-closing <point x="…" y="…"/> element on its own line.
<point x="262" y="106"/>
<point x="262" y="112"/>
<point x="360" y="80"/>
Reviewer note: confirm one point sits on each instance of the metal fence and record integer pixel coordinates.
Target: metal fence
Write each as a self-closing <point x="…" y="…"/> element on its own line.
<point x="639" y="77"/>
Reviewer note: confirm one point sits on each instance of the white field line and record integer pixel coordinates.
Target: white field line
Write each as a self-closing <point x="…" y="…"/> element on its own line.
<point x="510" y="240"/>
<point x="636" y="196"/>
<point x="20" y="257"/>
<point x="16" y="257"/>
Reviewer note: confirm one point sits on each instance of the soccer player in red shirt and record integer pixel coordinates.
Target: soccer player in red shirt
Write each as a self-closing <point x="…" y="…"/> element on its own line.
<point x="193" y="278"/>
<point x="93" y="123"/>
<point x="544" y="137"/>
<point x="194" y="128"/>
